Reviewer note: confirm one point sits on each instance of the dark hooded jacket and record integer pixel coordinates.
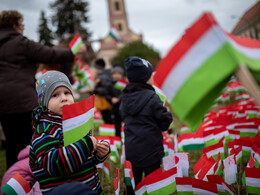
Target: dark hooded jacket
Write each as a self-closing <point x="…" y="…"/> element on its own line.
<point x="18" y="58"/>
<point x="145" y="118"/>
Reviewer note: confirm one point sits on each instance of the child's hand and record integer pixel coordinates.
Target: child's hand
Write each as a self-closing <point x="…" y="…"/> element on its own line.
<point x="115" y="100"/>
<point x="94" y="141"/>
<point x="102" y="149"/>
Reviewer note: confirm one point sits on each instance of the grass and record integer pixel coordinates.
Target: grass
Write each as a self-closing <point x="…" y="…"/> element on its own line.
<point x="2" y="162"/>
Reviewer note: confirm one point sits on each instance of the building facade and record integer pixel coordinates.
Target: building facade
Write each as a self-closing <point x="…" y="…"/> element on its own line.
<point x="249" y="23"/>
<point x="109" y="47"/>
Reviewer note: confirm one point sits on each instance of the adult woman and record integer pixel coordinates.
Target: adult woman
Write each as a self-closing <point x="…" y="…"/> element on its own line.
<point x="18" y="58"/>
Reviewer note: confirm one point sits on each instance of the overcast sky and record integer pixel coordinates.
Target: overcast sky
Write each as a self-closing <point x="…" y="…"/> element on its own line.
<point x="162" y="22"/>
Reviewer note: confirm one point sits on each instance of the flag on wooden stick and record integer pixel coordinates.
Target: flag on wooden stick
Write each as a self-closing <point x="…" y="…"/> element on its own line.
<point x="75" y="43"/>
<point x="77" y="120"/>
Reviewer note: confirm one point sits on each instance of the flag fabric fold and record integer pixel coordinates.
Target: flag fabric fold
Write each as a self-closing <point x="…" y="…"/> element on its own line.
<point x="201" y="64"/>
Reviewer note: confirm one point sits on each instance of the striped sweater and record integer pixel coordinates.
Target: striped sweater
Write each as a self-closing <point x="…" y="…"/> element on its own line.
<point x="53" y="164"/>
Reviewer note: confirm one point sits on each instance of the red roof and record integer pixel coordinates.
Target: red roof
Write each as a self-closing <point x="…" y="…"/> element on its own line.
<point x="249" y="16"/>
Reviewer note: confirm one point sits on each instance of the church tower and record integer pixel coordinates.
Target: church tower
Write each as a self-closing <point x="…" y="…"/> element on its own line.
<point x="117" y="17"/>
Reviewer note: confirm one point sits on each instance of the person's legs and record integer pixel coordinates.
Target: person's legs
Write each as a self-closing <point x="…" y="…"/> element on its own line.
<point x="106" y="115"/>
<point x="118" y="123"/>
<point x="18" y="132"/>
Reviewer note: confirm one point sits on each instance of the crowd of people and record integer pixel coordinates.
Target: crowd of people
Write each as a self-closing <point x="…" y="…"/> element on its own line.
<point x="31" y="115"/>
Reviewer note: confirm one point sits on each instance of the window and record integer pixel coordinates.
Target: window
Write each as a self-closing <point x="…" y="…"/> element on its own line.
<point x="117" y="6"/>
<point x="119" y="27"/>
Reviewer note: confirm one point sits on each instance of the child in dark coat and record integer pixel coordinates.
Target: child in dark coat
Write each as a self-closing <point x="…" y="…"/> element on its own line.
<point x="145" y="118"/>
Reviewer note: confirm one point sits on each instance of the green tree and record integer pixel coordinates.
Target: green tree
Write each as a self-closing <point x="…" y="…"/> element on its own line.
<point x="140" y="49"/>
<point x="45" y="34"/>
<point x="70" y="17"/>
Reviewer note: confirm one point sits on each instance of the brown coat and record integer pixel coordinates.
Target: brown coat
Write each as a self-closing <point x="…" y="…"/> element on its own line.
<point x="18" y="58"/>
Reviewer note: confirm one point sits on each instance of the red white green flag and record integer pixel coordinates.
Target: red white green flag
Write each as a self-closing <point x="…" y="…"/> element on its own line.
<point x="252" y="180"/>
<point x="161" y="183"/>
<point x="17" y="185"/>
<point x="191" y="141"/>
<point x="107" y="129"/>
<point x="77" y="120"/>
<point x="184" y="185"/>
<point x="75" y="43"/>
<point x="114" y="34"/>
<point x="230" y="169"/>
<point x="215" y="149"/>
<point x="107" y="170"/>
<point x="256" y="152"/>
<point x="121" y="84"/>
<point x="204" y="187"/>
<point x="198" y="67"/>
<point x="238" y="153"/>
<point x="205" y="166"/>
<point x="117" y="182"/>
<point x="129" y="177"/>
<point x="184" y="162"/>
<point x="223" y="187"/>
<point x="141" y="188"/>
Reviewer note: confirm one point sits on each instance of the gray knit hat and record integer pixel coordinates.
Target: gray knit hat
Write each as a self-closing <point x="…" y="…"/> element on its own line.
<point x="48" y="82"/>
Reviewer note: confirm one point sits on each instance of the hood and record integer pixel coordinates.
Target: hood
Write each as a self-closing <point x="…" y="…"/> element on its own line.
<point x="7" y="34"/>
<point x="135" y="97"/>
<point x="24" y="153"/>
<point x="42" y="114"/>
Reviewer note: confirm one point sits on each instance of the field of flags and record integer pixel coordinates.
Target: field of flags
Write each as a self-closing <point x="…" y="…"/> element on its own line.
<point x="226" y="134"/>
<point x="230" y="143"/>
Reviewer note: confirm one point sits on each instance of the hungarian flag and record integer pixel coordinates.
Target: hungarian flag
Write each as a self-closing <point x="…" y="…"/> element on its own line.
<point x="238" y="153"/>
<point x="107" y="129"/>
<point x="205" y="166"/>
<point x="198" y="67"/>
<point x="121" y="84"/>
<point x="218" y="169"/>
<point x="215" y="149"/>
<point x="184" y="185"/>
<point x="75" y="43"/>
<point x="122" y="135"/>
<point x="114" y="34"/>
<point x="107" y="170"/>
<point x="141" y="188"/>
<point x="114" y="153"/>
<point x="204" y="187"/>
<point x="185" y="129"/>
<point x="256" y="152"/>
<point x="117" y="182"/>
<point x="191" y="141"/>
<point x="230" y="169"/>
<point x="252" y="180"/>
<point x="77" y="120"/>
<point x="251" y="162"/>
<point x="129" y="177"/>
<point x="17" y="185"/>
<point x="98" y="118"/>
<point x="184" y="161"/>
<point x="222" y="186"/>
<point x="122" y="158"/>
<point x="161" y="183"/>
<point x="170" y="161"/>
<point x="247" y="130"/>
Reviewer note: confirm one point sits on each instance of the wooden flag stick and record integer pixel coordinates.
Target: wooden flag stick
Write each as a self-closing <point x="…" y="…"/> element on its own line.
<point x="245" y="77"/>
